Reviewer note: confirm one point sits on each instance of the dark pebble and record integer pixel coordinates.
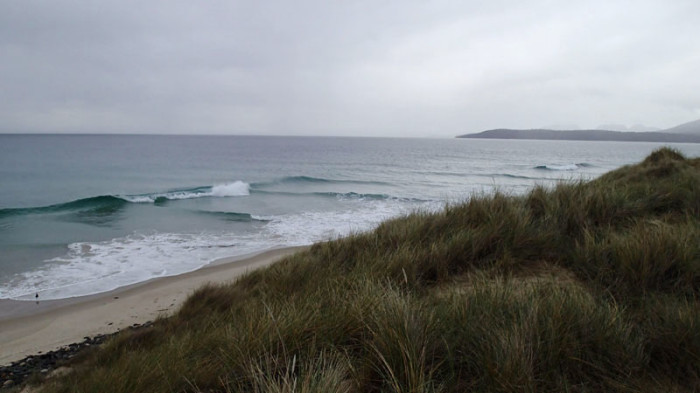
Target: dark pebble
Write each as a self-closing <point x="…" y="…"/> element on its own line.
<point x="17" y="372"/>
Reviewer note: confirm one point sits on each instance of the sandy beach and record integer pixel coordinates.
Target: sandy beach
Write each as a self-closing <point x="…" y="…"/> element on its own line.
<point x="28" y="328"/>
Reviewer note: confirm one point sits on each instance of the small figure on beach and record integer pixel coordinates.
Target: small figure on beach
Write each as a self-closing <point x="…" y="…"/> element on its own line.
<point x="37" y="297"/>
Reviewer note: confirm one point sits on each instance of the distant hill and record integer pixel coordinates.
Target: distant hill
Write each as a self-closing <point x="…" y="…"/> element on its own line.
<point x="623" y="128"/>
<point x="692" y="127"/>
<point x="588" y="135"/>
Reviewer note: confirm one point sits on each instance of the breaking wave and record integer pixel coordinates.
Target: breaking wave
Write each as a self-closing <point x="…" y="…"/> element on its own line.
<point x="108" y="204"/>
<point x="564" y="167"/>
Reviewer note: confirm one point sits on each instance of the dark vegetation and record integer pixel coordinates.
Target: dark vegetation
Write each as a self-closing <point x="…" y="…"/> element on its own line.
<point x="586" y="287"/>
<point x="588" y="135"/>
<point x="33" y="368"/>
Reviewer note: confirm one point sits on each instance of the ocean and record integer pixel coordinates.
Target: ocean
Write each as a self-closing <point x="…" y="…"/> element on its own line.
<point x="83" y="214"/>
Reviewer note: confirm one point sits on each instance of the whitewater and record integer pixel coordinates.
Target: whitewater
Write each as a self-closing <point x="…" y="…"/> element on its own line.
<point x="84" y="214"/>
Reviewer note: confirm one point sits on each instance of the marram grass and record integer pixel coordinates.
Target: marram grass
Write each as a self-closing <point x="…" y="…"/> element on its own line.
<point x="586" y="287"/>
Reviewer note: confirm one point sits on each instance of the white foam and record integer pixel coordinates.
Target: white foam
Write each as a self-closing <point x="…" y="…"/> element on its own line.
<point x="237" y="188"/>
<point x="139" y="199"/>
<point x="311" y="227"/>
<point x="89" y="268"/>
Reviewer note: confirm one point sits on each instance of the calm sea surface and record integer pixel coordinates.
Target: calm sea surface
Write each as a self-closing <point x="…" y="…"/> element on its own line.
<point x="82" y="214"/>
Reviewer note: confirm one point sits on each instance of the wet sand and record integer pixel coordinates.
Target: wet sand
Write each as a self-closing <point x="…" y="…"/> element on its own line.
<point x="28" y="328"/>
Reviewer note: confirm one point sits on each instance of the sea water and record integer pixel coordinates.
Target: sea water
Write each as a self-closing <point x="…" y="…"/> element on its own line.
<point x="83" y="214"/>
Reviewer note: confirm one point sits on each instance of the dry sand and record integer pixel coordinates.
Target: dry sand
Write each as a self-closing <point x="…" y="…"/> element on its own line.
<point x="28" y="328"/>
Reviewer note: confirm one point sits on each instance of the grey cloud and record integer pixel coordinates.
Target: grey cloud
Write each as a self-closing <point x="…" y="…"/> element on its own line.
<point x="409" y="68"/>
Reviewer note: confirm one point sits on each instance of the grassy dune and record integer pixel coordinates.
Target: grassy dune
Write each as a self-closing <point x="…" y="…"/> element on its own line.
<point x="585" y="287"/>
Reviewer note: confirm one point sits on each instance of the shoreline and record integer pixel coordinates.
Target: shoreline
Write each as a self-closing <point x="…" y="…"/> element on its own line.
<point x="29" y="328"/>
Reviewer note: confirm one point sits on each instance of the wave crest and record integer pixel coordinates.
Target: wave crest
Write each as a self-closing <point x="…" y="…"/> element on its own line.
<point x="106" y="204"/>
<point x="237" y="188"/>
<point x="99" y="205"/>
<point x="313" y="180"/>
<point x="564" y="167"/>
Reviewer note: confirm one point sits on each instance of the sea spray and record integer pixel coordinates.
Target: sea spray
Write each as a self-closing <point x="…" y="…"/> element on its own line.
<point x="237" y="188"/>
<point x="94" y="267"/>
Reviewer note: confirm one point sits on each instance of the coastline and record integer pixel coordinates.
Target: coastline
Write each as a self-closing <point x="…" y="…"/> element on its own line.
<point x="28" y="328"/>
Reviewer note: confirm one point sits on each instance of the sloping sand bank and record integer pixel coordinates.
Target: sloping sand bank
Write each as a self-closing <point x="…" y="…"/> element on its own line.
<point x="27" y="328"/>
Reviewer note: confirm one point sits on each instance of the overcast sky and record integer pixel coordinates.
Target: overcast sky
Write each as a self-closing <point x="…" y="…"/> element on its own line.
<point x="358" y="68"/>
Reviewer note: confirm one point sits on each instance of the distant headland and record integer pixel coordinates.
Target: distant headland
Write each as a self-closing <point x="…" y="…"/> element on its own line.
<point x="684" y="133"/>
